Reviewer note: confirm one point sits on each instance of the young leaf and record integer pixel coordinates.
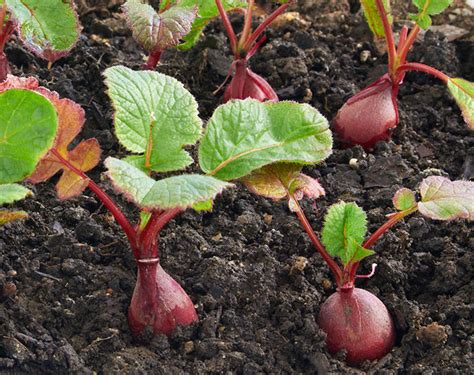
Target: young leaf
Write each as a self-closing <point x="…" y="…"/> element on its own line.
<point x="426" y="9"/>
<point x="173" y="192"/>
<point x="70" y="117"/>
<point x="356" y="252"/>
<point x="10" y="193"/>
<point x="344" y="224"/>
<point x="373" y="18"/>
<point x="158" y="31"/>
<point x="26" y="118"/>
<point x="442" y="199"/>
<point x="404" y="199"/>
<point x="463" y="93"/>
<point x="282" y="180"/>
<point x="207" y="10"/>
<point x="9" y="216"/>
<point x="155" y="116"/>
<point x="50" y="28"/>
<point x="245" y="135"/>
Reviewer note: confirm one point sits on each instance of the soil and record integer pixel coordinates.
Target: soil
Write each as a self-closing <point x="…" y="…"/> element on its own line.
<point x="255" y="279"/>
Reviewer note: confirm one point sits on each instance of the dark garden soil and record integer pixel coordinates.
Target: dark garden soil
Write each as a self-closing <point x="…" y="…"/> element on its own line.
<point x="255" y="279"/>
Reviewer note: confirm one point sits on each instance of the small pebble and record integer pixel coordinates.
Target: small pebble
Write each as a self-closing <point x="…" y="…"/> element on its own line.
<point x="12" y="273"/>
<point x="188" y="347"/>
<point x="298" y="265"/>
<point x="354" y="163"/>
<point x="267" y="219"/>
<point x="433" y="334"/>
<point x="9" y="289"/>
<point x="365" y="55"/>
<point x="327" y="284"/>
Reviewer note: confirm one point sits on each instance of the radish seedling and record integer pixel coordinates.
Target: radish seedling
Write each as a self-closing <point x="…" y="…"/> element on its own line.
<point x="175" y="24"/>
<point x="39" y="117"/>
<point x="244" y="82"/>
<point x="155" y="116"/>
<point x="49" y="28"/>
<point x="371" y="115"/>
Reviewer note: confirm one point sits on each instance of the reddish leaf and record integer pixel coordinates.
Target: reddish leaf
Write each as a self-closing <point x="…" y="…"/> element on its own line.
<point x="84" y="156"/>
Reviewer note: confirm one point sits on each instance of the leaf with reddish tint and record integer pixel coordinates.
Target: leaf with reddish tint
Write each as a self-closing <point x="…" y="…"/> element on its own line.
<point x="463" y="93"/>
<point x="49" y="28"/>
<point x="404" y="199"/>
<point x="282" y="180"/>
<point x="158" y="31"/>
<point x="443" y="199"/>
<point x="9" y="216"/>
<point x="85" y="156"/>
<point x="373" y="18"/>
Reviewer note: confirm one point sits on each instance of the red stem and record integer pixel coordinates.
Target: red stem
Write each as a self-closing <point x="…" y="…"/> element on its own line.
<point x="247" y="24"/>
<point x="402" y="56"/>
<point x="402" y="39"/>
<point x="336" y="270"/>
<point x="261" y="28"/>
<point x="228" y="27"/>
<point x="422" y="68"/>
<point x="392" y="52"/>
<point x="394" y="219"/>
<point x="106" y="200"/>
<point x="153" y="60"/>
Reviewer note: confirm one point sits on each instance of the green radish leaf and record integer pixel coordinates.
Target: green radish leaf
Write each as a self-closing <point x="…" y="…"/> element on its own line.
<point x="344" y="223"/>
<point x="10" y="193"/>
<point x="207" y="11"/>
<point x="356" y="252"/>
<point x="443" y="199"/>
<point x="373" y="18"/>
<point x="49" y="28"/>
<point x="9" y="216"/>
<point x="172" y="192"/>
<point x="26" y="119"/>
<point x="158" y="31"/>
<point x="426" y="9"/>
<point x="155" y="116"/>
<point x="463" y="93"/>
<point x="404" y="199"/>
<point x="282" y="180"/>
<point x="245" y="135"/>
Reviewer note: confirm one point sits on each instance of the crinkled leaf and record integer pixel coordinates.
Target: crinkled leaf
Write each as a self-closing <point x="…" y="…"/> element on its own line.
<point x="426" y="9"/>
<point x="9" y="216"/>
<point x="207" y="10"/>
<point x="404" y="199"/>
<point x="172" y="192"/>
<point x="155" y="116"/>
<point x="70" y="117"/>
<point x="344" y="222"/>
<point x="245" y="135"/>
<point x="443" y="199"/>
<point x="158" y="31"/>
<point x="50" y="28"/>
<point x="280" y="180"/>
<point x="463" y="93"/>
<point x="10" y="193"/>
<point x="373" y="18"/>
<point x="28" y="123"/>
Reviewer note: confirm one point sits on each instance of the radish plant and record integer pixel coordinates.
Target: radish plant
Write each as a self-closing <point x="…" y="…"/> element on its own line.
<point x="370" y="115"/>
<point x="245" y="83"/>
<point x="175" y="24"/>
<point x="155" y="117"/>
<point x="39" y="117"/>
<point x="48" y="28"/>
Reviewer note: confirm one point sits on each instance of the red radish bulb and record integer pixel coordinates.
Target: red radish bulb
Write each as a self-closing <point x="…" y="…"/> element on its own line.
<point x="158" y="301"/>
<point x="370" y="115"/>
<point x="357" y="321"/>
<point x="4" y="67"/>
<point x="247" y="84"/>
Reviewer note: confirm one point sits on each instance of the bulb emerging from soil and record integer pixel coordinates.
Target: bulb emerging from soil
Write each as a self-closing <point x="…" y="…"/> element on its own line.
<point x="357" y="321"/>
<point x="4" y="67"/>
<point x="247" y="84"/>
<point x="370" y="115"/>
<point x="158" y="301"/>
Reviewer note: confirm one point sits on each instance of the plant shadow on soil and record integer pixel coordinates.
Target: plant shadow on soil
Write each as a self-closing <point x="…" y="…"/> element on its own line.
<point x="75" y="273"/>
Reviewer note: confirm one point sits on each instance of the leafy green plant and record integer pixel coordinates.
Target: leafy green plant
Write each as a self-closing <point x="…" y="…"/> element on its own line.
<point x="370" y="115"/>
<point x="266" y="146"/>
<point x="175" y="24"/>
<point x="245" y="83"/>
<point x="49" y="28"/>
<point x="38" y="115"/>
<point x="155" y="117"/>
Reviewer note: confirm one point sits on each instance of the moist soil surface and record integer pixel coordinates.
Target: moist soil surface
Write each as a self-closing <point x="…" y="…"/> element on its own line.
<point x="248" y="266"/>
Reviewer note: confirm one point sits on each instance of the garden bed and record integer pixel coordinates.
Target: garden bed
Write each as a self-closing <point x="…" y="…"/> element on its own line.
<point x="242" y="263"/>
